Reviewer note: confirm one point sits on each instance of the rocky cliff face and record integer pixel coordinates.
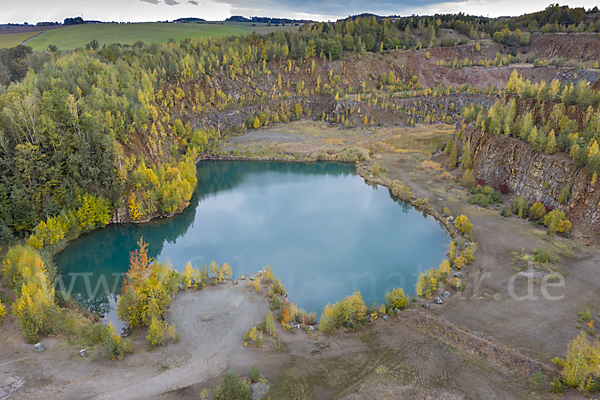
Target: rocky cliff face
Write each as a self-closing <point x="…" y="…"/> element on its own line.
<point x="538" y="176"/>
<point x="573" y="46"/>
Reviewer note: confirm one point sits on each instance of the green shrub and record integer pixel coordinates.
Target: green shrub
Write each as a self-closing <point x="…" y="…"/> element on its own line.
<point x="519" y="207"/>
<point x="277" y="288"/>
<point x="156" y="333"/>
<point x="276" y="302"/>
<point x="565" y="195"/>
<point x="468" y="179"/>
<point x="538" y="378"/>
<point x="375" y="170"/>
<point x="585" y="315"/>
<point x="543" y="256"/>
<point x="267" y="324"/>
<point x="254" y="374"/>
<point x="232" y="388"/>
<point x="558" y="386"/>
<point x="484" y="196"/>
<point x="115" y="347"/>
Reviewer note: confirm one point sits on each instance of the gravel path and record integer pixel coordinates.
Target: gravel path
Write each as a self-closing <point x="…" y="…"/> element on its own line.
<point x="31" y="38"/>
<point x="194" y="372"/>
<point x="211" y="324"/>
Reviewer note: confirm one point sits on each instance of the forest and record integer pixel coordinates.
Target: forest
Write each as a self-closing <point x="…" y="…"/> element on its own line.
<point x="72" y="130"/>
<point x="100" y="127"/>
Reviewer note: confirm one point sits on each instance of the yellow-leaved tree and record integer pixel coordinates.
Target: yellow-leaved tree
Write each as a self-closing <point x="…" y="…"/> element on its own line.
<point x="557" y="221"/>
<point x="445" y="267"/>
<point x="48" y="232"/>
<point x="581" y="363"/>
<point x="350" y="312"/>
<point x="94" y="212"/>
<point x="147" y="290"/>
<point x="463" y="224"/>
<point x="427" y="283"/>
<point x="34" y="307"/>
<point x="2" y="310"/>
<point x="396" y="299"/>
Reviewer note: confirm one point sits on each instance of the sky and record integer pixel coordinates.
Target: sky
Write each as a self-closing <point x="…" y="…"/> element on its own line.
<point x="32" y="11"/>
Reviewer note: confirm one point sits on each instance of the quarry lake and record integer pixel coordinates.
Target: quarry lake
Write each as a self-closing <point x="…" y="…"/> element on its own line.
<point x="322" y="229"/>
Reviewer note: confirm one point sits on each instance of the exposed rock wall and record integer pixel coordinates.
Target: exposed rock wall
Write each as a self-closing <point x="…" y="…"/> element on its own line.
<point x="573" y="46"/>
<point x="538" y="176"/>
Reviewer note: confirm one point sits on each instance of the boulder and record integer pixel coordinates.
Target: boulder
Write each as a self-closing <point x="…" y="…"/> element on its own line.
<point x="386" y="317"/>
<point x="437" y="300"/>
<point x="426" y="306"/>
<point x="446" y="294"/>
<point x="456" y="274"/>
<point x="39" y="347"/>
<point x="82" y="353"/>
<point x="258" y="390"/>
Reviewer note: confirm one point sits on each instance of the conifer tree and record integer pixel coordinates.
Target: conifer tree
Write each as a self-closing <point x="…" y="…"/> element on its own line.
<point x="551" y="146"/>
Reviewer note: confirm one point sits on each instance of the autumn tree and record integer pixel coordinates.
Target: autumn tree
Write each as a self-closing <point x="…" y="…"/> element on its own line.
<point x="537" y="211"/>
<point x="270" y="323"/>
<point x="451" y="252"/>
<point x="139" y="266"/>
<point x="581" y="365"/>
<point x="427" y="283"/>
<point x="147" y="290"/>
<point x="468" y="178"/>
<point x="444" y="267"/>
<point x="395" y="299"/>
<point x="556" y="221"/>
<point x="34" y="307"/>
<point x="463" y="224"/>
<point x="351" y="312"/>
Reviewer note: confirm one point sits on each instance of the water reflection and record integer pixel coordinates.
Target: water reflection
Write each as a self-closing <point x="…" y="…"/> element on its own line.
<point x="324" y="232"/>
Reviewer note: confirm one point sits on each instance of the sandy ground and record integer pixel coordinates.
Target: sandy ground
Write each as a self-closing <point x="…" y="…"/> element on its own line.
<point x="211" y="325"/>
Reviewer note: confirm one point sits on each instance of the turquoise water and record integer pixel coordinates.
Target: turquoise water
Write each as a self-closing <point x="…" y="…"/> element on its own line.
<point x="322" y="229"/>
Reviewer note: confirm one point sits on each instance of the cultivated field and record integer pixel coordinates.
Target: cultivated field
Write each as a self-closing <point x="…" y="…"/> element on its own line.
<point x="75" y="36"/>
<point x="8" y="40"/>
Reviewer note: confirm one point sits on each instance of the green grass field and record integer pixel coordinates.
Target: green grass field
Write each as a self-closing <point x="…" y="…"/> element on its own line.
<point x="8" y="40"/>
<point x="72" y="37"/>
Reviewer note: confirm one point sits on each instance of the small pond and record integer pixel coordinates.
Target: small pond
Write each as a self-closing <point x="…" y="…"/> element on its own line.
<point x="322" y="229"/>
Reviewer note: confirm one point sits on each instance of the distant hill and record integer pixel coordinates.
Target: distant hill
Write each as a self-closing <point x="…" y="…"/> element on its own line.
<point x="190" y="19"/>
<point x="266" y="20"/>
